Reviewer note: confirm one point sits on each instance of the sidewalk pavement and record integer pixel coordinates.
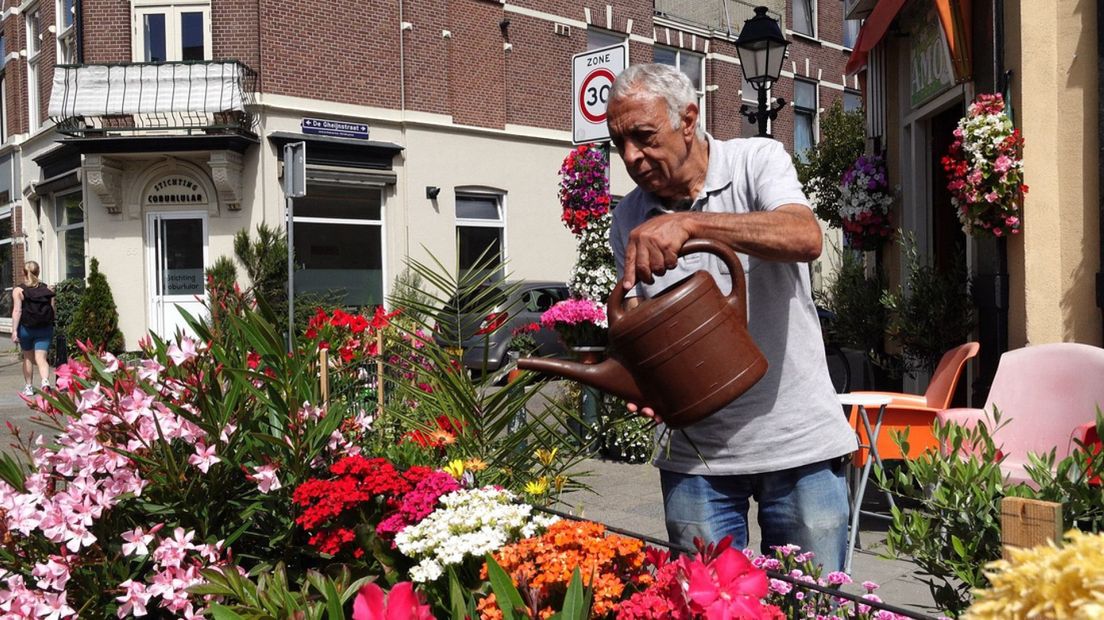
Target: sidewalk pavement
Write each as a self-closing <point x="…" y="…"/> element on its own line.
<point x="625" y="496"/>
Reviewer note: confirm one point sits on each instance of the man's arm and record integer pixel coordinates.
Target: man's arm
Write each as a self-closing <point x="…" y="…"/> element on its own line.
<point x="789" y="233"/>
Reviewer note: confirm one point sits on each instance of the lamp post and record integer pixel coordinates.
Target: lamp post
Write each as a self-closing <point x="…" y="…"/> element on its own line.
<point x="762" y="48"/>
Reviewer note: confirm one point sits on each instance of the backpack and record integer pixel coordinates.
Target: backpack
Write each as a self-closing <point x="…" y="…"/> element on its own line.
<point x="37" y="310"/>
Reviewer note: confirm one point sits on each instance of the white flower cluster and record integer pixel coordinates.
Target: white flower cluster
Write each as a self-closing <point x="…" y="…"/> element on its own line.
<point x="856" y="199"/>
<point x="467" y="523"/>
<point x="983" y="136"/>
<point x="594" y="275"/>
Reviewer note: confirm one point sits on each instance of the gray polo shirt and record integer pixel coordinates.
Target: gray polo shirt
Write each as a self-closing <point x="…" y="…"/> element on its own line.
<point x="791" y="417"/>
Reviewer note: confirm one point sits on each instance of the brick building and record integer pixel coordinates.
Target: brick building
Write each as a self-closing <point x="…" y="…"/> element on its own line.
<point x="145" y="133"/>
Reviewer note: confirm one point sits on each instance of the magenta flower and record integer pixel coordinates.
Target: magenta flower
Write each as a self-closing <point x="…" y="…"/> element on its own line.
<point x="402" y="603"/>
<point x="727" y="588"/>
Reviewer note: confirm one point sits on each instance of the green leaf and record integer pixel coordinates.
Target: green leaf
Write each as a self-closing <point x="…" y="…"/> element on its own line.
<point x="575" y="606"/>
<point x="333" y="602"/>
<point x="506" y="593"/>
<point x="457" y="599"/>
<point x="959" y="547"/>
<point x="219" y="612"/>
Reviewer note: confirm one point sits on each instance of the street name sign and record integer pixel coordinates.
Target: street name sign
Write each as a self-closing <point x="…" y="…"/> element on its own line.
<point x="339" y="129"/>
<point x="592" y="75"/>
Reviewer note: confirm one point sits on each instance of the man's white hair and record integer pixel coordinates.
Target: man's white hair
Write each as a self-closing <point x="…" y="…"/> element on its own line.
<point x="658" y="81"/>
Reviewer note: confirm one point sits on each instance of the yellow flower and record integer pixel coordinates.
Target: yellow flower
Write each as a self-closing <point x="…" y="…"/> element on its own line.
<point x="1045" y="582"/>
<point x="455" y="468"/>
<point x="559" y="483"/>
<point x="475" y="464"/>
<point x="538" y="486"/>
<point x="546" y="456"/>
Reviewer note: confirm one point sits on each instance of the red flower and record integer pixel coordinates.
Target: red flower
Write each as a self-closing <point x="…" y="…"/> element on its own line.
<point x="252" y="360"/>
<point x="728" y="587"/>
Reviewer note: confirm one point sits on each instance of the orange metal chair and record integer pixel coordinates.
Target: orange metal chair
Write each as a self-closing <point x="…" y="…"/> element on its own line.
<point x="914" y="412"/>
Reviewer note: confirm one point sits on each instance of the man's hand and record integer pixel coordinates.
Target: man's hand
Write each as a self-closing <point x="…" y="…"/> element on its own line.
<point x="15" y="336"/>
<point x="653" y="247"/>
<point x="647" y="412"/>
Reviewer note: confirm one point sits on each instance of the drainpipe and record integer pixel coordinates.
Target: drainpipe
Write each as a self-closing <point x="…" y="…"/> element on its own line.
<point x="79" y="19"/>
<point x="1100" y="147"/>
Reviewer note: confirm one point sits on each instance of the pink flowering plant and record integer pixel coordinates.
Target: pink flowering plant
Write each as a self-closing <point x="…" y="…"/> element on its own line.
<point x="865" y="200"/>
<point x="579" y="322"/>
<point x="984" y="166"/>
<point x="155" y="470"/>
<point x="584" y="187"/>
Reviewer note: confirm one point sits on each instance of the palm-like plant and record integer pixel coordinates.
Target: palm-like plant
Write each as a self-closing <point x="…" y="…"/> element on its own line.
<point x="496" y="424"/>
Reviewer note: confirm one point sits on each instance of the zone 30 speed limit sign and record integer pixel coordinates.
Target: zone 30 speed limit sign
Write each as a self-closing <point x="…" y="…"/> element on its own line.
<point x="592" y="75"/>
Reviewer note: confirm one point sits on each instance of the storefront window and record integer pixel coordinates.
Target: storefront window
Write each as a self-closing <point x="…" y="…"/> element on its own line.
<point x="339" y="245"/>
<point x="7" y="269"/>
<point x="805" y="110"/>
<point x="479" y="230"/>
<point x="69" y="225"/>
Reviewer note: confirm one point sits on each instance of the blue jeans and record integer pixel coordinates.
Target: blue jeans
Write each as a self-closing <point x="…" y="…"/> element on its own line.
<point x="806" y="506"/>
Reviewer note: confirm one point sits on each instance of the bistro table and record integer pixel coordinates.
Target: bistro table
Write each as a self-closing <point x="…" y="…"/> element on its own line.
<point x="859" y="479"/>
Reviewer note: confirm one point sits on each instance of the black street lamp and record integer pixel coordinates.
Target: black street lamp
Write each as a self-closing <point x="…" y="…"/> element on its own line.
<point x="762" y="48"/>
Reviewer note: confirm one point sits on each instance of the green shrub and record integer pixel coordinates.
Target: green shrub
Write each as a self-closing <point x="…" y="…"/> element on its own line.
<point x="932" y="312"/>
<point x="953" y="528"/>
<point x="96" y="320"/>
<point x="842" y="139"/>
<point x="265" y="261"/>
<point x="860" y="319"/>
<point x="68" y="295"/>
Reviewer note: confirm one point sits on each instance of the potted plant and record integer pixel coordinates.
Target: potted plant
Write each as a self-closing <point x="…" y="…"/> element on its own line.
<point x="580" y="323"/>
<point x="522" y="344"/>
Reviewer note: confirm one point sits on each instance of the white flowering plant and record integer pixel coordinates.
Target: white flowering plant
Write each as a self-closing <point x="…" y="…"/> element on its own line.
<point x="467" y="525"/>
<point x="594" y="274"/>
<point x="865" y="200"/>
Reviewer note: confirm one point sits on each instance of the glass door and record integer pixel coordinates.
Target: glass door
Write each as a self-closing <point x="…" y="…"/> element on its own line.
<point x="178" y="258"/>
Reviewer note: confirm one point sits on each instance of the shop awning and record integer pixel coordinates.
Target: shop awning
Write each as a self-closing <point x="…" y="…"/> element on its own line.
<point x="954" y="15"/>
<point x="872" y="32"/>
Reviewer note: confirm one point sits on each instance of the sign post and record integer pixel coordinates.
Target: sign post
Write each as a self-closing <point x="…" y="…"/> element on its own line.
<point x="295" y="186"/>
<point x="592" y="75"/>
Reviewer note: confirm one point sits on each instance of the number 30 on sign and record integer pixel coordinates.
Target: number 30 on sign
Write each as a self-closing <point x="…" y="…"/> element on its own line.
<point x="592" y="75"/>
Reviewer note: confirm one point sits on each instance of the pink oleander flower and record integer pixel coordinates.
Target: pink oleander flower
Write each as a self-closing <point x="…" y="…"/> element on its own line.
<point x="134" y="600"/>
<point x="402" y="603"/>
<point x="204" y="457"/>
<point x="265" y="477"/>
<point x="184" y="352"/>
<point x="138" y="540"/>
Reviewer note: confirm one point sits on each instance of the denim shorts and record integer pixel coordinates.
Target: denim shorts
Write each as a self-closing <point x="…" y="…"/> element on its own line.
<point x="36" y="338"/>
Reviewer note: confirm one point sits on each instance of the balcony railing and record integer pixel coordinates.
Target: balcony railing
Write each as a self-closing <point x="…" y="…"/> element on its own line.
<point x="206" y="97"/>
<point x="726" y="16"/>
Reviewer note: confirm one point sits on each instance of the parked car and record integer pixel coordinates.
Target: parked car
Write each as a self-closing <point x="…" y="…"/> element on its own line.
<point x="483" y="321"/>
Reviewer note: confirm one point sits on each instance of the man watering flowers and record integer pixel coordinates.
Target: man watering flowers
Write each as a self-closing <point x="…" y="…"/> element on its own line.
<point x="784" y="440"/>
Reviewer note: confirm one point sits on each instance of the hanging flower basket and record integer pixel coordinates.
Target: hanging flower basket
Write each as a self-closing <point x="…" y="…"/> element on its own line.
<point x="865" y="199"/>
<point x="985" y="168"/>
<point x="584" y="188"/>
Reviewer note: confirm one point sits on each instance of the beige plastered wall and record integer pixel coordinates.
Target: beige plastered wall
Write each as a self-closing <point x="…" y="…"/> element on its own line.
<point x="1051" y="48"/>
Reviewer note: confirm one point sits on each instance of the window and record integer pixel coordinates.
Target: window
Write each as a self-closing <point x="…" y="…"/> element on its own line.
<point x="168" y="33"/>
<point x="852" y="101"/>
<point x="34" y="51"/>
<point x="3" y="108"/>
<point x="597" y="39"/>
<point x="479" y="231"/>
<point x="69" y="226"/>
<point x="339" y="244"/>
<point x="693" y="65"/>
<point x="749" y="96"/>
<point x="851" y="32"/>
<point x="804" y="17"/>
<point x="805" y="110"/>
<point x="67" y="33"/>
<point x="7" y="269"/>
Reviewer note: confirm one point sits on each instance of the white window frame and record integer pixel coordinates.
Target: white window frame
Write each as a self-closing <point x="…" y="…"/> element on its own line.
<point x="172" y="12"/>
<point x="815" y="110"/>
<point x="3" y="107"/>
<point x="815" y="33"/>
<point x="61" y="228"/>
<point x="66" y="34"/>
<point x="700" y="93"/>
<point x="7" y="212"/>
<point x="34" y="53"/>
<point x="500" y="223"/>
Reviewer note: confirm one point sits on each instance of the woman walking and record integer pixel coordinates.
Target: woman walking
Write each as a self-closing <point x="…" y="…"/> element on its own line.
<point x="33" y="312"/>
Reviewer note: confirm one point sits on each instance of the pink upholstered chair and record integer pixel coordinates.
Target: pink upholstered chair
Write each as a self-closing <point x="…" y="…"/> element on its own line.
<point x="1047" y="395"/>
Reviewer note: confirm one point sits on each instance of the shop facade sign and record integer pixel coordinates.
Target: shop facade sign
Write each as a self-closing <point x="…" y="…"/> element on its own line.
<point x="930" y="71"/>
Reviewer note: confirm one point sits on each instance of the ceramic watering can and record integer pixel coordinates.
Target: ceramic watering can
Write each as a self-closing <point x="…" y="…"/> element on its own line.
<point x="685" y="352"/>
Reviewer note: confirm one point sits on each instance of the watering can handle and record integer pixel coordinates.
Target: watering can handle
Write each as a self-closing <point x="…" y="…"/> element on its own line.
<point x="737" y="298"/>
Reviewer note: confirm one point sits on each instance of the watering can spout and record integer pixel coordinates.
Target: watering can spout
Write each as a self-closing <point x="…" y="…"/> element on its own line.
<point x="609" y="376"/>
